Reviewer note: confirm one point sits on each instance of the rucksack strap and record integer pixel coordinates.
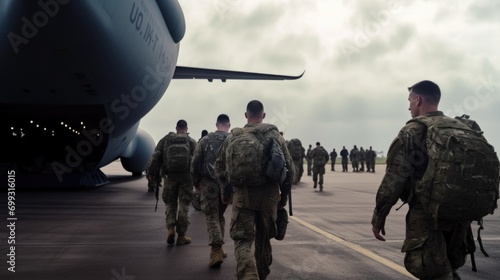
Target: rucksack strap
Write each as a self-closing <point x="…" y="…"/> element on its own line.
<point x="479" y="240"/>
<point x="471" y="247"/>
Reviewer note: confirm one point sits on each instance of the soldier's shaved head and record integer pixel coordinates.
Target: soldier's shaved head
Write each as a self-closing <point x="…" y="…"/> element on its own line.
<point x="181" y="124"/>
<point x="428" y="90"/>
<point x="223" y="123"/>
<point x="255" y="108"/>
<point x="223" y="118"/>
<point x="423" y="97"/>
<point x="255" y="112"/>
<point x="181" y="127"/>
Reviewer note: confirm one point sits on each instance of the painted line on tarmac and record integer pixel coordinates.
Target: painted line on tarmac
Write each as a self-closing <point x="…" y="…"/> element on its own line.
<point x="355" y="247"/>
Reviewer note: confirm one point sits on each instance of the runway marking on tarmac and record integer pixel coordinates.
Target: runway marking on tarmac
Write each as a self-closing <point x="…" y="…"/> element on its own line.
<point x="355" y="247"/>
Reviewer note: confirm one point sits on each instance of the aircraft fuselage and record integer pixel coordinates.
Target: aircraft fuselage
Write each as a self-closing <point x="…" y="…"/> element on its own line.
<point x="78" y="75"/>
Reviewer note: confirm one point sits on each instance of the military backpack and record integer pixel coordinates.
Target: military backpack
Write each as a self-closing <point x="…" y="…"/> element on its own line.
<point x="461" y="181"/>
<point x="295" y="148"/>
<point x="252" y="158"/>
<point x="215" y="141"/>
<point x="177" y="153"/>
<point x="320" y="156"/>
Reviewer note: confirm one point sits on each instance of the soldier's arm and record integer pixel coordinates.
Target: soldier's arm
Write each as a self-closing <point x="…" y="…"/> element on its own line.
<point x="396" y="180"/>
<point x="196" y="162"/>
<point x="156" y="162"/>
<point x="220" y="172"/>
<point x="286" y="188"/>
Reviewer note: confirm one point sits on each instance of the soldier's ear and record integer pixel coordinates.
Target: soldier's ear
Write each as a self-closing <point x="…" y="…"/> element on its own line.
<point x="263" y="115"/>
<point x="419" y="100"/>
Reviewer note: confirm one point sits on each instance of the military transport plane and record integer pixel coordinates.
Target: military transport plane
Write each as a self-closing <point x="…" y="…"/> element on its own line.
<point x="78" y="76"/>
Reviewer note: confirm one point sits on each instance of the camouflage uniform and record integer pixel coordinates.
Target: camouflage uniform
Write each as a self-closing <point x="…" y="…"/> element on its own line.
<point x="178" y="190"/>
<point x="362" y="158"/>
<point x="344" y="154"/>
<point x="203" y="171"/>
<point x="370" y="160"/>
<point x="253" y="218"/>
<point x="430" y="253"/>
<point x="333" y="158"/>
<point x="298" y="163"/>
<point x="309" y="161"/>
<point x="320" y="158"/>
<point x="354" y="156"/>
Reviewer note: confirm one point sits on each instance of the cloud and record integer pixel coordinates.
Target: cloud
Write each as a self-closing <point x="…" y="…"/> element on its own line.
<point x="359" y="57"/>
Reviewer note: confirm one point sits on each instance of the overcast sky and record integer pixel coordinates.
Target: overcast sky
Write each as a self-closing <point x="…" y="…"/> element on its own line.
<point x="359" y="57"/>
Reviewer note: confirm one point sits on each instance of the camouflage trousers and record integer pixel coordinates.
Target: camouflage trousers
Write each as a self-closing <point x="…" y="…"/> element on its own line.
<point x="213" y="208"/>
<point x="333" y="161"/>
<point x="248" y="226"/>
<point x="431" y="253"/>
<point x="177" y="195"/>
<point x="318" y="171"/>
<point x="355" y="165"/>
<point x="344" y="164"/>
<point x="299" y="170"/>
<point x="362" y="164"/>
<point x="370" y="165"/>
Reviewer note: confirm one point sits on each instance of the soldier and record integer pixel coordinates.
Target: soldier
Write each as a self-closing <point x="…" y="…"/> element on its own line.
<point x="362" y="159"/>
<point x="309" y="160"/>
<point x="354" y="157"/>
<point x="255" y="205"/>
<point x="298" y="153"/>
<point x="174" y="152"/>
<point x="333" y="158"/>
<point x="320" y="157"/>
<point x="205" y="181"/>
<point x="344" y="154"/>
<point x="203" y="133"/>
<point x="431" y="253"/>
<point x="370" y="160"/>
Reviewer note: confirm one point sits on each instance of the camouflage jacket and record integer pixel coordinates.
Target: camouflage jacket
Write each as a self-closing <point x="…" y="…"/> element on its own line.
<point x="333" y="155"/>
<point x="199" y="161"/>
<point x="354" y="154"/>
<point x="406" y="161"/>
<point x="156" y="167"/>
<point x="319" y="156"/>
<point x="362" y="154"/>
<point x="265" y="197"/>
<point x="308" y="154"/>
<point x="344" y="153"/>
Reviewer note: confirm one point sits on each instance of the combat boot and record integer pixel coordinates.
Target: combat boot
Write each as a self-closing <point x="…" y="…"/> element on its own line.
<point x="171" y="236"/>
<point x="183" y="240"/>
<point x="216" y="257"/>
<point x="224" y="254"/>
<point x="320" y="187"/>
<point x="314" y="185"/>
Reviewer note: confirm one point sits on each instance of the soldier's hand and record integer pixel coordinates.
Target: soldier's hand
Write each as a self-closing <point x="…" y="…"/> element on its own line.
<point x="376" y="233"/>
<point x="283" y="201"/>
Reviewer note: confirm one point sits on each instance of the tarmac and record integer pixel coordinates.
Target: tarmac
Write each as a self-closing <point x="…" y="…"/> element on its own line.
<point x="113" y="232"/>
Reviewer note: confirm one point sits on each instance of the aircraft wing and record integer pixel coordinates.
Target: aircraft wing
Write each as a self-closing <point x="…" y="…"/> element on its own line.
<point x="182" y="72"/>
